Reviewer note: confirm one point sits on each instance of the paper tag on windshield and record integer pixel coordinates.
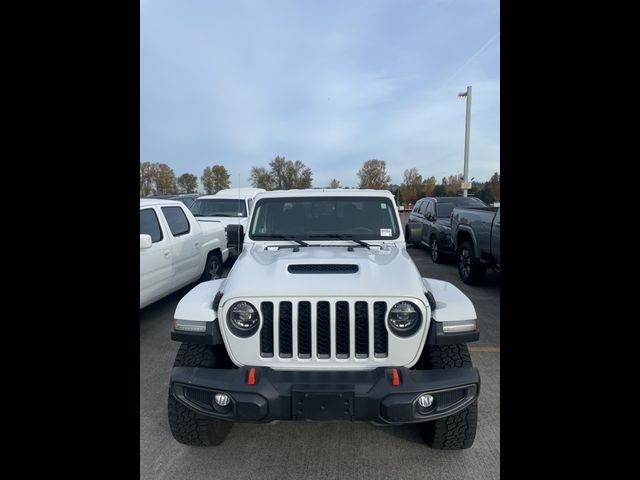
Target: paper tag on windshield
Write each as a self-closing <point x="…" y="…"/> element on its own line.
<point x="385" y="232"/>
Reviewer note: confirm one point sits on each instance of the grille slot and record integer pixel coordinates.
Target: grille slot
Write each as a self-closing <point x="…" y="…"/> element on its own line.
<point x="380" y="334"/>
<point x="323" y="328"/>
<point x="285" y="333"/>
<point x="342" y="330"/>
<point x="362" y="330"/>
<point x="322" y="268"/>
<point x="266" y="334"/>
<point x="304" y="329"/>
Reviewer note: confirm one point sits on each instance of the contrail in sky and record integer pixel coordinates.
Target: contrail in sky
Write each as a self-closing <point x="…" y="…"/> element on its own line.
<point x="482" y="49"/>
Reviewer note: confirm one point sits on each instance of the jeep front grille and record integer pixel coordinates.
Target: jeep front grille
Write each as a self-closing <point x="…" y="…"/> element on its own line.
<point x="332" y="336"/>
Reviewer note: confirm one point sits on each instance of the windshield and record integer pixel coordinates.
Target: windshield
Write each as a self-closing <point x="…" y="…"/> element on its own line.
<point x="218" y="207"/>
<point x="444" y="208"/>
<point x="322" y="218"/>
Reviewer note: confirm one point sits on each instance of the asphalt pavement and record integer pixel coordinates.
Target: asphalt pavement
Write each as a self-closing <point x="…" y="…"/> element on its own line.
<point x="292" y="450"/>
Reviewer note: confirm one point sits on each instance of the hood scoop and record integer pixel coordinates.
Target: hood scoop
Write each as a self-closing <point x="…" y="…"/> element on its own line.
<point x="322" y="268"/>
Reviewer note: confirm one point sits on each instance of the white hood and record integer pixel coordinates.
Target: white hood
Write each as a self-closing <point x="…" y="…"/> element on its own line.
<point x="259" y="272"/>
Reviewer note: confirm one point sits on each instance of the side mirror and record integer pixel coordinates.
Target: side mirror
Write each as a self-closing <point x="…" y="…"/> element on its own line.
<point x="413" y="233"/>
<point x="235" y="236"/>
<point x="145" y="241"/>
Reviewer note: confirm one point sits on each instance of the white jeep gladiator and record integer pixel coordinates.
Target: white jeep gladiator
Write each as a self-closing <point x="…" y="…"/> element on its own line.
<point x="175" y="249"/>
<point x="324" y="317"/>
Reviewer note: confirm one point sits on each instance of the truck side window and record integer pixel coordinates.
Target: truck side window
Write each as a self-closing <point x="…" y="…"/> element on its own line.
<point x="416" y="207"/>
<point x="149" y="224"/>
<point x="177" y="220"/>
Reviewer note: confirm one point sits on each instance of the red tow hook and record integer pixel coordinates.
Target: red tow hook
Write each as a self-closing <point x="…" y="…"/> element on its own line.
<point x="251" y="378"/>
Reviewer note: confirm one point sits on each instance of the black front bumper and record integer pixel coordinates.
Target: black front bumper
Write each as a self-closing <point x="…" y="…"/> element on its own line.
<point x="326" y="396"/>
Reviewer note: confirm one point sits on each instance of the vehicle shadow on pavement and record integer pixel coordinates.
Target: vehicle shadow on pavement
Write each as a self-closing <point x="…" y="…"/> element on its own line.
<point x="410" y="433"/>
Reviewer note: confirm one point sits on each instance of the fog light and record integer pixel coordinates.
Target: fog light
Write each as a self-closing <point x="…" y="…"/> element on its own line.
<point x="425" y="400"/>
<point x="222" y="399"/>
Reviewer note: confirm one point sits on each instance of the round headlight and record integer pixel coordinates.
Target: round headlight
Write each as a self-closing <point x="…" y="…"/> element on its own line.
<point x="404" y="318"/>
<point x="243" y="317"/>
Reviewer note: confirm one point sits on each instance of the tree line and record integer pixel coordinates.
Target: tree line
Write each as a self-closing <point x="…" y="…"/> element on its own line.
<point x="283" y="174"/>
<point x="160" y="179"/>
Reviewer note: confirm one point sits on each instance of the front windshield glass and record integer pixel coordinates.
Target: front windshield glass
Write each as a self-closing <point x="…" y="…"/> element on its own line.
<point x="323" y="218"/>
<point x="218" y="207"/>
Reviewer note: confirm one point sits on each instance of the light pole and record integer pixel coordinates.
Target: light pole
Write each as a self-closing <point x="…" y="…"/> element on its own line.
<point x="466" y="140"/>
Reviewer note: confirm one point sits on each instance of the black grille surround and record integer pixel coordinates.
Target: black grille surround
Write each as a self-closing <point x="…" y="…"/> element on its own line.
<point x="322" y="268"/>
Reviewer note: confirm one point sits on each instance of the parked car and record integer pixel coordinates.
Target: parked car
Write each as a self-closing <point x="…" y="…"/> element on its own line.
<point x="434" y="213"/>
<point x="175" y="249"/>
<point x="231" y="207"/>
<point x="323" y="317"/>
<point x="186" y="198"/>
<point x="476" y="235"/>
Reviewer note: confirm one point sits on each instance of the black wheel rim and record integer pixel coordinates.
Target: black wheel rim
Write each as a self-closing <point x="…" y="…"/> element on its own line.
<point x="464" y="262"/>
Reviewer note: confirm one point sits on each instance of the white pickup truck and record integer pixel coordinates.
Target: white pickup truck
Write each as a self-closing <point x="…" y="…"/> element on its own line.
<point x="231" y="207"/>
<point x="176" y="249"/>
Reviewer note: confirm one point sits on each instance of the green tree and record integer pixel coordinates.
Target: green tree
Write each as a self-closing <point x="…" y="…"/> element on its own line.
<point x="454" y="185"/>
<point x="214" y="179"/>
<point x="278" y="172"/>
<point x="335" y="183"/>
<point x="440" y="190"/>
<point x="287" y="174"/>
<point x="411" y="188"/>
<point x="220" y="178"/>
<point x="485" y="194"/>
<point x="147" y="178"/>
<point x="188" y="183"/>
<point x="494" y="186"/>
<point x="299" y="175"/>
<point x="261" y="178"/>
<point x="165" y="179"/>
<point x="373" y="174"/>
<point x="429" y="186"/>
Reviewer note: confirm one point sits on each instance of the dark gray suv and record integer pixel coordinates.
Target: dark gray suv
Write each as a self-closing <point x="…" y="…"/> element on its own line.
<point x="434" y="214"/>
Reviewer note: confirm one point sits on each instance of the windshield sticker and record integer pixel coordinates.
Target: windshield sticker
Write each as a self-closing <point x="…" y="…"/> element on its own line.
<point x="385" y="232"/>
<point x="383" y="206"/>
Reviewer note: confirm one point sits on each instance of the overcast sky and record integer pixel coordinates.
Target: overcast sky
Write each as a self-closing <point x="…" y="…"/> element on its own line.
<point x="330" y="83"/>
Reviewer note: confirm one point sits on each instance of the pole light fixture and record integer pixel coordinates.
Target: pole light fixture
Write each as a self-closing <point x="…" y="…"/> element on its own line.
<point x="467" y="133"/>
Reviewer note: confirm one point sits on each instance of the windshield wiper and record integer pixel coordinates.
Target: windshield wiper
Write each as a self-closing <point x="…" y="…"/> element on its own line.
<point x="343" y="237"/>
<point x="284" y="237"/>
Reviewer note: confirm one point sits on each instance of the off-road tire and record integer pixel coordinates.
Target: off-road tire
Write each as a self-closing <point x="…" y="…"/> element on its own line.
<point x="187" y="426"/>
<point x="457" y="431"/>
